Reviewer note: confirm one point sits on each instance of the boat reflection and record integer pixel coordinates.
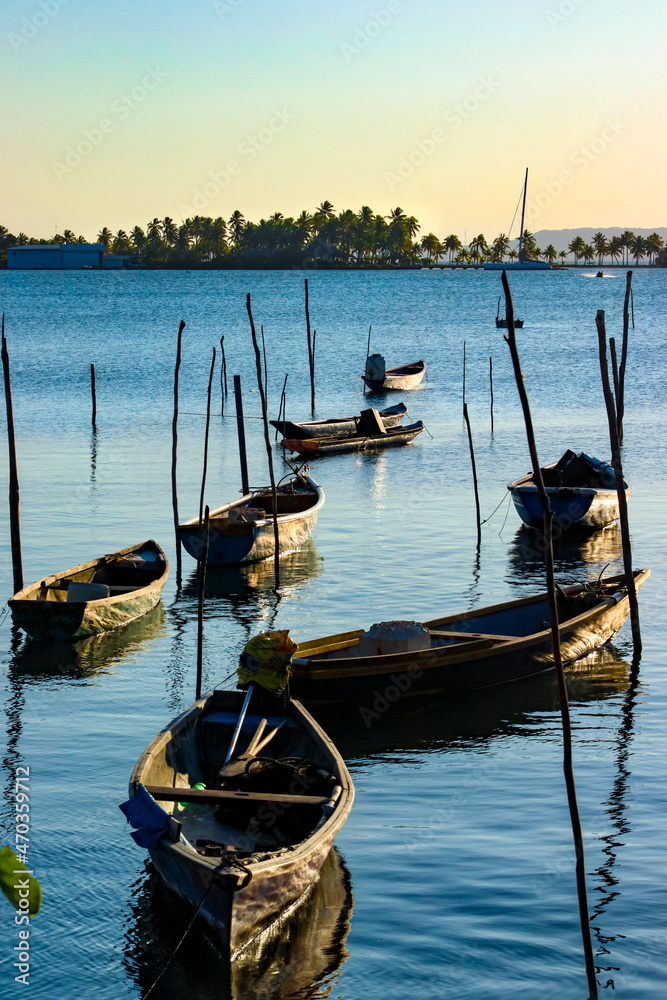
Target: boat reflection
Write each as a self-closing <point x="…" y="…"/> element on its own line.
<point x="572" y="551"/>
<point x="90" y="655"/>
<point x="418" y="725"/>
<point x="299" y="957"/>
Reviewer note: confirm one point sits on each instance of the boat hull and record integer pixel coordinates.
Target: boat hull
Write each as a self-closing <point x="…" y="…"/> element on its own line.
<point x="394" y="438"/>
<point x="336" y="428"/>
<point x="61" y="620"/>
<point x="397" y="378"/>
<point x="570" y="506"/>
<point x="460" y="667"/>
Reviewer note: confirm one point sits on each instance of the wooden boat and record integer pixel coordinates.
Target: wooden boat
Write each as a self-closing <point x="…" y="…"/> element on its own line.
<point x="95" y="596"/>
<point x="501" y="321"/>
<point x="581" y="490"/>
<point x="246" y="847"/>
<point x="475" y="649"/>
<point x="392" y="438"/>
<point x="342" y="427"/>
<point x="378" y="378"/>
<point x="242" y="531"/>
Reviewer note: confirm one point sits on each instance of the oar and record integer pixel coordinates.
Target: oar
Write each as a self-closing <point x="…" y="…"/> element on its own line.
<point x="239" y="724"/>
<point x="267" y="739"/>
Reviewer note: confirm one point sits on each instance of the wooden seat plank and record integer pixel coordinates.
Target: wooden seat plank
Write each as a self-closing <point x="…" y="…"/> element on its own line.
<point x="167" y="793"/>
<point x="473" y="636"/>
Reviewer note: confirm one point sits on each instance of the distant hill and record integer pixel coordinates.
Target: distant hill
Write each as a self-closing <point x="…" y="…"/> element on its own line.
<point x="561" y="238"/>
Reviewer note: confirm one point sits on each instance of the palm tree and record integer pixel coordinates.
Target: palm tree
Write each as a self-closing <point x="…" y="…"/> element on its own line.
<point x="563" y="256"/>
<point x="499" y="248"/>
<point x="577" y="248"/>
<point x="431" y="245"/>
<point x="452" y="245"/>
<point x="68" y="236"/>
<point x="169" y="230"/>
<point x="588" y="253"/>
<point x="627" y="239"/>
<point x="601" y="247"/>
<point x="154" y="230"/>
<point x="639" y="248"/>
<point x="550" y="253"/>
<point x="121" y="243"/>
<point x="236" y="224"/>
<point x="462" y="256"/>
<point x="615" y="248"/>
<point x="478" y="247"/>
<point x="654" y="244"/>
<point x="105" y="236"/>
<point x="138" y="238"/>
<point x="529" y="247"/>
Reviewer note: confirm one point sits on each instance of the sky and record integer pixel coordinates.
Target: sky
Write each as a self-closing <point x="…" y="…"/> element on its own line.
<point x="118" y="111"/>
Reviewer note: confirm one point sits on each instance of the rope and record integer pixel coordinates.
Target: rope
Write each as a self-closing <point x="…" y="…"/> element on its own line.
<point x="495" y="509"/>
<point x="229" y="861"/>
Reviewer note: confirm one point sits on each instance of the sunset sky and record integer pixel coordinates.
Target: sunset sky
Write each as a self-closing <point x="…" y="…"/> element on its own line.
<point x="116" y="112"/>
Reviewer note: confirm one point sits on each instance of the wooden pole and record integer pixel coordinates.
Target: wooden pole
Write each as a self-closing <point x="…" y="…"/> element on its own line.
<point x="208" y="425"/>
<point x="474" y="474"/>
<point x="266" y="370"/>
<point x="269" y="455"/>
<point x="245" y="486"/>
<point x="200" y="608"/>
<point x="310" y="354"/>
<point x="555" y="639"/>
<point x="92" y="392"/>
<point x="491" y="384"/>
<point x="14" y="517"/>
<point x="174" y="449"/>
<point x="464" y="373"/>
<point x="282" y="404"/>
<point x="612" y="418"/>
<point x="620" y="402"/>
<point x="368" y="354"/>
<point x="223" y="376"/>
<point x="614" y="366"/>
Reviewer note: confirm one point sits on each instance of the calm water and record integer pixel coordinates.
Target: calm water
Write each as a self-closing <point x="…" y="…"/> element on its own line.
<point x="455" y="870"/>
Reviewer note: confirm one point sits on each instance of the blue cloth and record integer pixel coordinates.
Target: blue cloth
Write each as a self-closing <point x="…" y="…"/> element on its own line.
<point x="143" y="812"/>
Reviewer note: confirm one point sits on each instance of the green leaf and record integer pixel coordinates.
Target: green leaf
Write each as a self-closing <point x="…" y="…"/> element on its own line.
<point x="13" y="879"/>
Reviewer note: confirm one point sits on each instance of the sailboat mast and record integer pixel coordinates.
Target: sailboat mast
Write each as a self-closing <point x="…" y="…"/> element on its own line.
<point x="523" y="212"/>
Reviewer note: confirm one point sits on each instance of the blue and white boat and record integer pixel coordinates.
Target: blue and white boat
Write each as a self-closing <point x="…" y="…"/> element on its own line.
<point x="582" y="493"/>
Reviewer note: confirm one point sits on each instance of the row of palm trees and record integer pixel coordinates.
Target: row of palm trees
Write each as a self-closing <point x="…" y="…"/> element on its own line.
<point x="360" y="238"/>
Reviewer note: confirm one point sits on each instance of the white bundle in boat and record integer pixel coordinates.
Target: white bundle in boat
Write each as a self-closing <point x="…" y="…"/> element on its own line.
<point x="375" y="367"/>
<point x="394" y="637"/>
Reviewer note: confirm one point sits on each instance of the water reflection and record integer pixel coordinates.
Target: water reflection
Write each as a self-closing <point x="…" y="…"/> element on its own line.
<point x="592" y="550"/>
<point x="435" y="724"/>
<point x="90" y="655"/>
<point x="299" y="958"/>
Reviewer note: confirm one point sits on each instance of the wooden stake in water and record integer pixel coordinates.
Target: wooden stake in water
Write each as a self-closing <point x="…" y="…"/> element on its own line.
<point x="14" y="518"/>
<point x="368" y="354"/>
<point x="491" y="384"/>
<point x="464" y="373"/>
<point x="269" y="455"/>
<point x="620" y="401"/>
<point x="208" y="425"/>
<point x="612" y="418"/>
<point x="474" y="474"/>
<point x="266" y="371"/>
<point x="283" y="404"/>
<point x="223" y="376"/>
<point x="92" y="392"/>
<point x="240" y="427"/>
<point x="174" y="449"/>
<point x="202" y="561"/>
<point x="580" y="867"/>
<point x="310" y="354"/>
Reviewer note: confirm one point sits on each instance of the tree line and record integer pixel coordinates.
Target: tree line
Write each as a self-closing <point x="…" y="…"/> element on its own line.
<point x="344" y="239"/>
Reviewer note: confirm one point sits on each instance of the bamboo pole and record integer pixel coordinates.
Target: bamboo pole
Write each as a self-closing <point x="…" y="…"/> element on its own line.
<point x="269" y="455"/>
<point x="612" y="418"/>
<point x="92" y="392"/>
<point x="174" y="450"/>
<point x="491" y="384"/>
<point x="14" y="514"/>
<point x="474" y="474"/>
<point x="208" y="425"/>
<point x="310" y="354"/>
<point x="368" y="354"/>
<point x="240" y="427"/>
<point x="200" y="608"/>
<point x="580" y="867"/>
<point x="223" y="376"/>
<point x="620" y="402"/>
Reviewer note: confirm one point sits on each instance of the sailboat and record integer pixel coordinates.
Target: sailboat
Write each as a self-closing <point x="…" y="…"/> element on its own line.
<point x="523" y="263"/>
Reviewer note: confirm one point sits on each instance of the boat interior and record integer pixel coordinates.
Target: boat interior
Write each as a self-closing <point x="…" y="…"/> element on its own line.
<point x="576" y="472"/>
<point x="501" y="625"/>
<point x="275" y="791"/>
<point x="110" y="576"/>
<point x="294" y="497"/>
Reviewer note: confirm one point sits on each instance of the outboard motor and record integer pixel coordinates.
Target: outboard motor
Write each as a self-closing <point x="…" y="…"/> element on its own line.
<point x="375" y="367"/>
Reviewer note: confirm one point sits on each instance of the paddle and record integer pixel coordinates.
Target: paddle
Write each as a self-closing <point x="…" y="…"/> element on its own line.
<point x="239" y="724"/>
